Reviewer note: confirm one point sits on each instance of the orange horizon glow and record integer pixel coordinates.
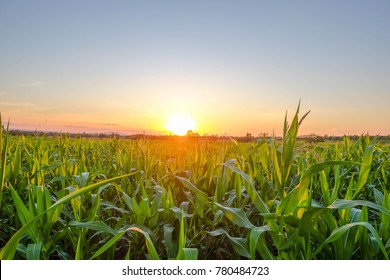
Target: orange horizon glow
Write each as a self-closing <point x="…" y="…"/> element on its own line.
<point x="180" y="123"/>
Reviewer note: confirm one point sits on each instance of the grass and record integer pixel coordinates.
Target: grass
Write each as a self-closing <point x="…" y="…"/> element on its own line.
<point x="63" y="198"/>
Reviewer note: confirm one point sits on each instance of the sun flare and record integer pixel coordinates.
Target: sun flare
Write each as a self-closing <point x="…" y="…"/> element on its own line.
<point x="180" y="124"/>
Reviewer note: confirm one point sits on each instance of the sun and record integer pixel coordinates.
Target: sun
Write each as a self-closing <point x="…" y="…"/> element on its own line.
<point x="180" y="123"/>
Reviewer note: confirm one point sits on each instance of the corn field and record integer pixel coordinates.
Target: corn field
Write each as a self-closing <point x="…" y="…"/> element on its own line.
<point x="63" y="198"/>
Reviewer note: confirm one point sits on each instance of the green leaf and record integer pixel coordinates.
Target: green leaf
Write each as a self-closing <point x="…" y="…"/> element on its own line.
<point x="325" y="188"/>
<point x="179" y="212"/>
<point x="364" y="169"/>
<point x="296" y="196"/>
<point x="131" y="203"/>
<point x="79" y="248"/>
<point x="188" y="254"/>
<point x="3" y="157"/>
<point x="345" y="204"/>
<point x="149" y="244"/>
<point x="239" y="244"/>
<point x="182" y="234"/>
<point x="34" y="251"/>
<point x="338" y="232"/>
<point x="254" y="239"/>
<point x="235" y="215"/>
<point x="95" y="225"/>
<point x="95" y="207"/>
<point x="144" y="207"/>
<point x="199" y="193"/>
<point x="250" y="189"/>
<point x="107" y="245"/>
<point x="170" y="246"/>
<point x="309" y="220"/>
<point x="24" y="215"/>
<point x="21" y="209"/>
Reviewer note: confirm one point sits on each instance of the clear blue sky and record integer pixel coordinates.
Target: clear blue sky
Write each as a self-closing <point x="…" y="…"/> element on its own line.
<point x="233" y="66"/>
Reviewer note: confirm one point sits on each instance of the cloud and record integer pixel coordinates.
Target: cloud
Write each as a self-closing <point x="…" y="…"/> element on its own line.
<point x="31" y="84"/>
<point x="78" y="126"/>
<point x="10" y="104"/>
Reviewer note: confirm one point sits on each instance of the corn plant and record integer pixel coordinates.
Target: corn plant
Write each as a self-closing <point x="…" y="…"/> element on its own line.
<point x="74" y="198"/>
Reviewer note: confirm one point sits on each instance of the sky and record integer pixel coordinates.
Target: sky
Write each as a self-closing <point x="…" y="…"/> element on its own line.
<point x="231" y="66"/>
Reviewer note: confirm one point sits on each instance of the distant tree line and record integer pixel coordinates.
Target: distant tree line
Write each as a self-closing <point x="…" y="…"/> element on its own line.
<point x="190" y="136"/>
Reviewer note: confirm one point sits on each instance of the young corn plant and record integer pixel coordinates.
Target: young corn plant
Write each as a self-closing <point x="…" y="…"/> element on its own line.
<point x="186" y="199"/>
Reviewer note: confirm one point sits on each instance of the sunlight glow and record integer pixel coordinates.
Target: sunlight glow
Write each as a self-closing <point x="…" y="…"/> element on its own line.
<point x="179" y="124"/>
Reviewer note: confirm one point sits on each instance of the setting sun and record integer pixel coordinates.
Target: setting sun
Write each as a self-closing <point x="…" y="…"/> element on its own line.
<point x="179" y="124"/>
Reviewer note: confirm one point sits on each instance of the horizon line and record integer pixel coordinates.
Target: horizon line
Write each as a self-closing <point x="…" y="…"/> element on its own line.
<point x="259" y="135"/>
